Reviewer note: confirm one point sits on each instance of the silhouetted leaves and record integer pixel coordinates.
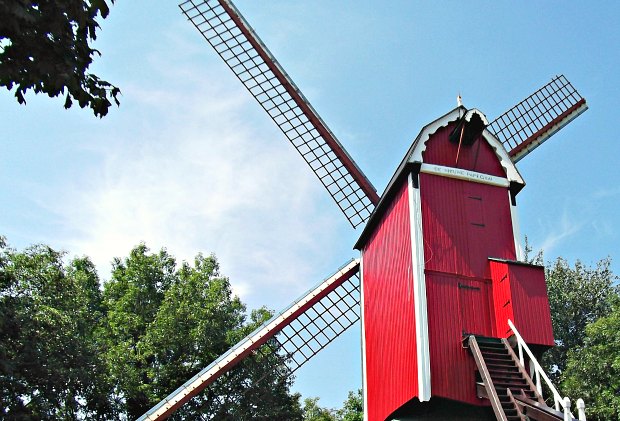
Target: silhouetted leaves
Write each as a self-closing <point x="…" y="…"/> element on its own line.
<point x="45" y="47"/>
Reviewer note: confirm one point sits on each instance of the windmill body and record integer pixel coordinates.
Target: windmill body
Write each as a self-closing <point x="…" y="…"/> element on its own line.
<point x="427" y="280"/>
<point x="439" y="286"/>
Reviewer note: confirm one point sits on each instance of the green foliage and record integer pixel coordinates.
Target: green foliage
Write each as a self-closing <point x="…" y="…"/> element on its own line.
<point x="352" y="409"/>
<point x="132" y="299"/>
<point x="45" y="47"/>
<point x="50" y="361"/>
<point x="71" y="351"/>
<point x="314" y="412"/>
<point x="593" y="369"/>
<point x="578" y="296"/>
<point x="164" y="325"/>
<point x="253" y="390"/>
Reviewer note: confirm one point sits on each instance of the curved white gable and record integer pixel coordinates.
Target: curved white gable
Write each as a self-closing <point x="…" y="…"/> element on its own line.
<point x="414" y="156"/>
<point x="419" y="145"/>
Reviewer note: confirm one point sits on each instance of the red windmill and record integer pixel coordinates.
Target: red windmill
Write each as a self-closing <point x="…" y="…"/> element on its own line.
<point x="442" y="285"/>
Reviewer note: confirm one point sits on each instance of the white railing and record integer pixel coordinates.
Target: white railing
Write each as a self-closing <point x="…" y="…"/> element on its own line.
<point x="561" y="404"/>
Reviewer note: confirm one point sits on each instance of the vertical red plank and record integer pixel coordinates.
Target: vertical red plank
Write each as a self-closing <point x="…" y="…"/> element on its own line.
<point x="520" y="294"/>
<point x="389" y="318"/>
<point x="478" y="157"/>
<point x="461" y="233"/>
<point x="464" y="223"/>
<point x="452" y="367"/>
<point x="474" y="307"/>
<point x="502" y="298"/>
<point x="532" y="315"/>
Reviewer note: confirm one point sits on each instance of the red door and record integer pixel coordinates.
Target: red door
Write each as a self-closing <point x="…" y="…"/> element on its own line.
<point x="474" y="307"/>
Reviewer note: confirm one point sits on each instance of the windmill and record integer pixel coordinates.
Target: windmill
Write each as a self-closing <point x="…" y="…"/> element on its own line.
<point x="452" y="320"/>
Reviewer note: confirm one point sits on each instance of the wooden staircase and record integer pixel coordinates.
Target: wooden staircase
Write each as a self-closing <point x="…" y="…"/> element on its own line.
<point x="505" y="382"/>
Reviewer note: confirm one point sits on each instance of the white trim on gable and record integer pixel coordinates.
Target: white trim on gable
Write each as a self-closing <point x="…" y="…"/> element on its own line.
<point x="419" y="146"/>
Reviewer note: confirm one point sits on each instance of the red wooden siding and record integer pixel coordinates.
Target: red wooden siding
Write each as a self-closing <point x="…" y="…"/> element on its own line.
<point x="452" y="367"/>
<point x="475" y="307"/>
<point x="502" y="301"/>
<point x="389" y="318"/>
<point x="522" y="296"/>
<point x="464" y="223"/>
<point x="478" y="157"/>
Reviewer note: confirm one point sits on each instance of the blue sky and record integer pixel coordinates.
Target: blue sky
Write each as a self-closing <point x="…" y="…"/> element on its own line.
<point x="190" y="162"/>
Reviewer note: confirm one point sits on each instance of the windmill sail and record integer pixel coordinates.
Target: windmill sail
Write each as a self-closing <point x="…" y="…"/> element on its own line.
<point x="538" y="117"/>
<point x="291" y="337"/>
<point x="235" y="41"/>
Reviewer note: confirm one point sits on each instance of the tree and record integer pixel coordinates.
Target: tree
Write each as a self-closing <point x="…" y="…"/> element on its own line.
<point x="45" y="47"/>
<point x="578" y="296"/>
<point x="70" y="351"/>
<point x="164" y="325"/>
<point x="314" y="412"/>
<point x="353" y="407"/>
<point x="132" y="298"/>
<point x="593" y="369"/>
<point x="50" y="364"/>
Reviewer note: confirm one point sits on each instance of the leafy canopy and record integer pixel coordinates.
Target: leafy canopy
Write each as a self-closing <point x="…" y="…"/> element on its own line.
<point x="578" y="295"/>
<point x="45" y="46"/>
<point x="593" y="369"/>
<point x="51" y="364"/>
<point x="352" y="409"/>
<point x="165" y="324"/>
<point x="69" y="350"/>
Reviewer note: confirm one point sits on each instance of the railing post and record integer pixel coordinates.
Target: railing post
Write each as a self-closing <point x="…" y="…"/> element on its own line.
<point x="521" y="355"/>
<point x="535" y="374"/>
<point x="567" y="415"/>
<point x="581" y="409"/>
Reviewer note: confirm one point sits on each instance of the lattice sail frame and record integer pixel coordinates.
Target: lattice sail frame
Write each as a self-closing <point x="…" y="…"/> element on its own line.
<point x="295" y="335"/>
<point x="237" y="44"/>
<point x="538" y="117"/>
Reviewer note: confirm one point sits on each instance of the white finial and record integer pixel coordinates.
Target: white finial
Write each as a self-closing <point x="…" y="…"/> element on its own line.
<point x="459" y="102"/>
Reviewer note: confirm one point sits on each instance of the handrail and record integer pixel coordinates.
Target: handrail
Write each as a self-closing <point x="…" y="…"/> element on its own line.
<point x="564" y="403"/>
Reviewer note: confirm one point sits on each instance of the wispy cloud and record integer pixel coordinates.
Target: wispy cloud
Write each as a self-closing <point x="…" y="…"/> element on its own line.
<point x="559" y="230"/>
<point x="606" y="193"/>
<point x="203" y="175"/>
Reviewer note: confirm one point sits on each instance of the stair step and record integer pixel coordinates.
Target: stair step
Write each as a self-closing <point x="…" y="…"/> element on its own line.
<point x="515" y="388"/>
<point x="491" y="346"/>
<point x="506" y="378"/>
<point x="511" y="382"/>
<point x="505" y="374"/>
<point x="494" y="349"/>
<point x="511" y="385"/>
<point x="504" y="369"/>
<point x="487" y="341"/>
<point x="498" y="358"/>
<point x="502" y="364"/>
<point x="496" y="354"/>
<point x="499" y="362"/>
